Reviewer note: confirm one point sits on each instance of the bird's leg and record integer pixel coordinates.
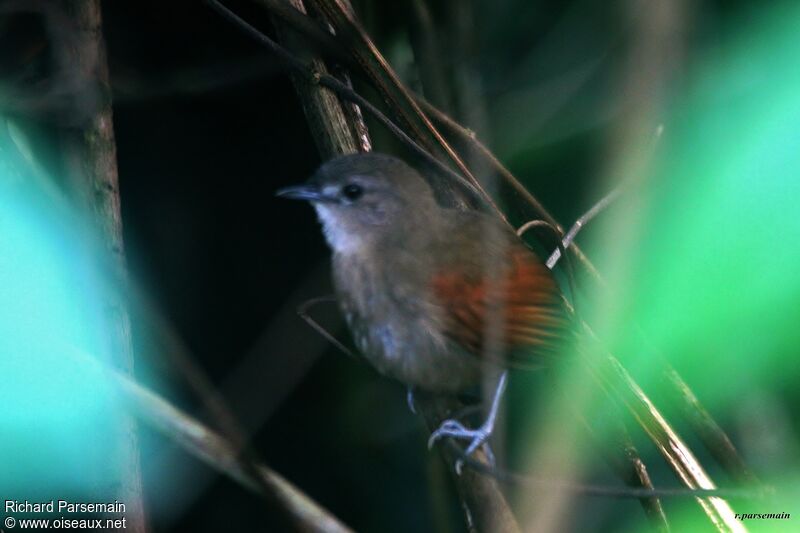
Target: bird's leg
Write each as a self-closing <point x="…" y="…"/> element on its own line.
<point x="479" y="436"/>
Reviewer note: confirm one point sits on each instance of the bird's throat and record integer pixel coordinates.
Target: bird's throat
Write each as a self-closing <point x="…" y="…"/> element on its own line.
<point x="340" y="238"/>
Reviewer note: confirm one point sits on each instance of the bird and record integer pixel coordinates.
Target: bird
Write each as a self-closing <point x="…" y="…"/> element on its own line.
<point x="435" y="297"/>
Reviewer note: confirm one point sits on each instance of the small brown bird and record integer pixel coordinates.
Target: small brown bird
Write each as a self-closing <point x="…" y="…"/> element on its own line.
<point x="434" y="297"/>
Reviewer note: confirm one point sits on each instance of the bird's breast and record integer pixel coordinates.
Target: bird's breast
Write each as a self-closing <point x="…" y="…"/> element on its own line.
<point x="398" y="331"/>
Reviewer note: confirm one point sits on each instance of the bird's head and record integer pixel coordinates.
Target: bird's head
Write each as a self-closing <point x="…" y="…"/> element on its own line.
<point x="366" y="198"/>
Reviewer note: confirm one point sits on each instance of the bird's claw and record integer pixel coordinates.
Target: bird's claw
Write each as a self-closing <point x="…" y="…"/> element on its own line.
<point x="412" y="405"/>
<point x="478" y="438"/>
<point x="448" y="428"/>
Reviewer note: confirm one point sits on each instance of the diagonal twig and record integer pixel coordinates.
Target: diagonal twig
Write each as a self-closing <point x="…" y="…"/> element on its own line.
<point x="613" y="375"/>
<point x="214" y="449"/>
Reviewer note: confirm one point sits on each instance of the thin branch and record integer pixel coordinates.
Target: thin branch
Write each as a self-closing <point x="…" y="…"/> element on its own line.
<point x="595" y="210"/>
<point x="302" y="312"/>
<point x="613" y="375"/>
<point x="714" y="437"/>
<point x="603" y="491"/>
<point x="624" y="459"/>
<point x="560" y="247"/>
<point x="582" y="221"/>
<point x="213" y="449"/>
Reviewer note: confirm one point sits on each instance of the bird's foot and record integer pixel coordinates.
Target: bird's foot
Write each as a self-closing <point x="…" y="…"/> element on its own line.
<point x="478" y="438"/>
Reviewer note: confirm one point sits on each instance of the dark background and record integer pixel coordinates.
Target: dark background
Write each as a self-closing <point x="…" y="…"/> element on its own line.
<point x="207" y="127"/>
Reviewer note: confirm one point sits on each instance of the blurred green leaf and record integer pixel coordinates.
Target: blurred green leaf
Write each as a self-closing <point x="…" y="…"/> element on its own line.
<point x="714" y="274"/>
<point x="57" y="418"/>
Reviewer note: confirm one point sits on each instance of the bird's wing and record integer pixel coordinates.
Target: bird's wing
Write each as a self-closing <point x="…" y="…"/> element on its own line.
<point x="515" y="318"/>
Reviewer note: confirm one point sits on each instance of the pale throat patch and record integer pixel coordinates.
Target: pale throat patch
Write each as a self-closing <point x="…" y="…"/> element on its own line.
<point x="341" y="240"/>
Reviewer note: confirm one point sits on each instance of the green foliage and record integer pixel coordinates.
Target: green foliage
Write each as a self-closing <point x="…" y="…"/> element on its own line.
<point x="714" y="279"/>
<point x="56" y="413"/>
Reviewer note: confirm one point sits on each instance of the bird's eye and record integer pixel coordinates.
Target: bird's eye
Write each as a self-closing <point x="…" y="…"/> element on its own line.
<point x="352" y="191"/>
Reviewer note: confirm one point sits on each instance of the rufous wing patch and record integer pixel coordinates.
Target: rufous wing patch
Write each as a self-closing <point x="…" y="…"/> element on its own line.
<point x="520" y="309"/>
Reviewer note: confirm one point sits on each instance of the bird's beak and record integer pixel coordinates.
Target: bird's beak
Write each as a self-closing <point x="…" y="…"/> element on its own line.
<point x="309" y="193"/>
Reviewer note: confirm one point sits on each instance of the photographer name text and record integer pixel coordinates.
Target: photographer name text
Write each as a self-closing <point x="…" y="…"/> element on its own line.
<point x="63" y="506"/>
